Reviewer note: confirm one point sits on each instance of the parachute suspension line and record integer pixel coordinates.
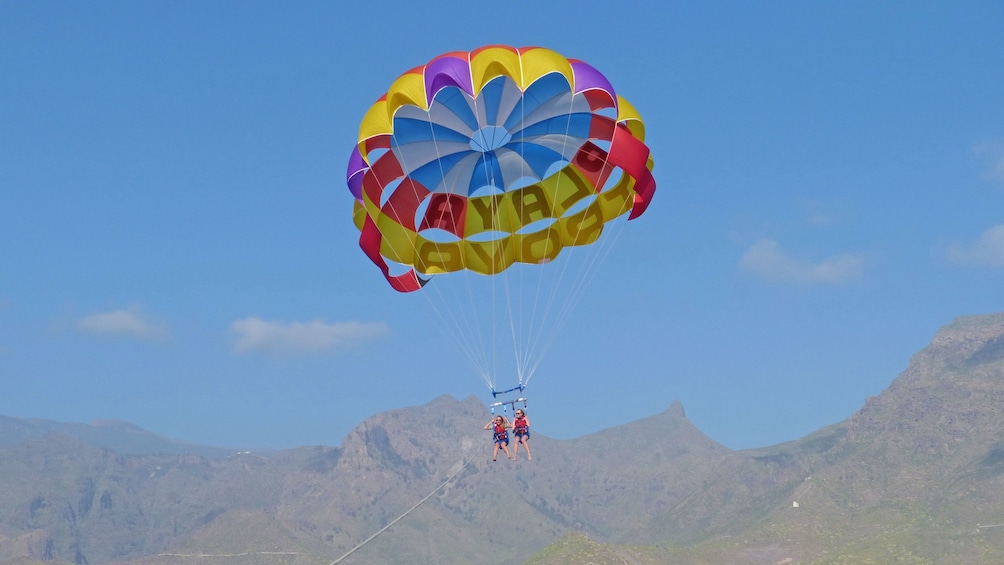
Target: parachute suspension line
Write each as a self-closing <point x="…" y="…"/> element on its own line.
<point x="596" y="258"/>
<point x="409" y="511"/>
<point x="492" y="342"/>
<point x="473" y="336"/>
<point x="533" y="354"/>
<point x="582" y="284"/>
<point x="451" y="327"/>
<point x="516" y="320"/>
<point x="599" y="251"/>
<point x="489" y="349"/>
<point x="466" y="292"/>
<point x="592" y="257"/>
<point x="465" y="346"/>
<point x="507" y="293"/>
<point x="455" y="329"/>
<point x="494" y="338"/>
<point x="522" y="338"/>
<point x="469" y="340"/>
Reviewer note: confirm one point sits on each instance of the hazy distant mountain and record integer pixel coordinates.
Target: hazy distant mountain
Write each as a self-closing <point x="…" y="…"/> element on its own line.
<point x="121" y="437"/>
<point x="916" y="476"/>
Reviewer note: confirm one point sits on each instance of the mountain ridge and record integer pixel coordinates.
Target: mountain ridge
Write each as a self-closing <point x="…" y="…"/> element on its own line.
<point x="915" y="475"/>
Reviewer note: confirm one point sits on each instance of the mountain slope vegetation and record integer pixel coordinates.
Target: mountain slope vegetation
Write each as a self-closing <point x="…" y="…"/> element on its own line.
<point x="915" y="476"/>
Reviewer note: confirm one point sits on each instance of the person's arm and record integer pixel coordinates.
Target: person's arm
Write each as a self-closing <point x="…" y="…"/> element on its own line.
<point x="488" y="425"/>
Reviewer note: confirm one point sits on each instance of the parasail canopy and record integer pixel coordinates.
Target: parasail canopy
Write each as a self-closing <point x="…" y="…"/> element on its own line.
<point x="481" y="160"/>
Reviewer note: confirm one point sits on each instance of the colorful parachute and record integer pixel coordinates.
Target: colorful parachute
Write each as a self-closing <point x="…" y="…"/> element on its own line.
<point x="478" y="161"/>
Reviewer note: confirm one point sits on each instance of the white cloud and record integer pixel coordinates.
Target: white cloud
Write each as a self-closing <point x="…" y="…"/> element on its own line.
<point x="766" y="260"/>
<point x="129" y="322"/>
<point x="988" y="250"/>
<point x="254" y="334"/>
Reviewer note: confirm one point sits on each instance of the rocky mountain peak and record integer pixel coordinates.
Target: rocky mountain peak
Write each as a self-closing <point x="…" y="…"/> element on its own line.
<point x="967" y="342"/>
<point x="676" y="409"/>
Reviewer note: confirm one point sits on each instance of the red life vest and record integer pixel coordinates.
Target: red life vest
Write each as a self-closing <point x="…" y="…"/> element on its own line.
<point x="500" y="432"/>
<point x="520" y="426"/>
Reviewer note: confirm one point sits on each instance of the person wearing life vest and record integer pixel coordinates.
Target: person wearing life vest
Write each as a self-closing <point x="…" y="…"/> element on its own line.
<point x="521" y="429"/>
<point x="499" y="426"/>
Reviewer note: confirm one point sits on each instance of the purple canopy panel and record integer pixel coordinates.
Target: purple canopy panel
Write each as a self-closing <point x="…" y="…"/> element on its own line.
<point x="447" y="71"/>
<point x="588" y="78"/>
<point x="354" y="175"/>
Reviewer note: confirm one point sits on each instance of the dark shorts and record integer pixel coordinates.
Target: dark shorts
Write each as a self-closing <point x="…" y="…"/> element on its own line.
<point x="524" y="435"/>
<point x="502" y="439"/>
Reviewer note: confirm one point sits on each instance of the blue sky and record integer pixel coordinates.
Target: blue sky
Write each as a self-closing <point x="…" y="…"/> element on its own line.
<point x="176" y="248"/>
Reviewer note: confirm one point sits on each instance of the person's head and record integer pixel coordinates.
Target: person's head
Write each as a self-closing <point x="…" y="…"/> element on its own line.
<point x="498" y="419"/>
<point x="520" y="414"/>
